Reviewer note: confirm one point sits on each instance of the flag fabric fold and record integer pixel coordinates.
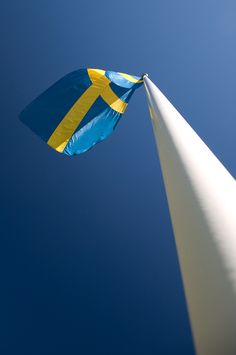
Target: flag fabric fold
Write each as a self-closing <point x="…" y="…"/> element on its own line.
<point x="81" y="109"/>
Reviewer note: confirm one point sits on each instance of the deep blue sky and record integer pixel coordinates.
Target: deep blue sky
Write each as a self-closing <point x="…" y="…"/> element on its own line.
<point x="88" y="260"/>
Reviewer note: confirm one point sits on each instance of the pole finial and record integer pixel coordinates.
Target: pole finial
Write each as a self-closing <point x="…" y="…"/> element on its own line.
<point x="144" y="74"/>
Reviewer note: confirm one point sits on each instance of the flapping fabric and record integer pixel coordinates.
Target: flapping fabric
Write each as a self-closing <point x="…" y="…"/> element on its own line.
<point x="81" y="109"/>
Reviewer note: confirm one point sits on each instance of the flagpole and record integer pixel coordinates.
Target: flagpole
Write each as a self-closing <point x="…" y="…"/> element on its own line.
<point x="202" y="202"/>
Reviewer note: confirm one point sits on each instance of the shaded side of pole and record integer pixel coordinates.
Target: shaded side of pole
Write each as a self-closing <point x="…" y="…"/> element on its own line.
<point x="202" y="202"/>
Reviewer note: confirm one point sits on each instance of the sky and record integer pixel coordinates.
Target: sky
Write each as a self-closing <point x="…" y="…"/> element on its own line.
<point x="88" y="258"/>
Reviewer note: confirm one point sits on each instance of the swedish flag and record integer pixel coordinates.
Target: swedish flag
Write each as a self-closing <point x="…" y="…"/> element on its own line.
<point x="81" y="109"/>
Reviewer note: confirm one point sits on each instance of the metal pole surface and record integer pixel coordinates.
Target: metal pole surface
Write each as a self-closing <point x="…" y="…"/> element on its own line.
<point x="202" y="202"/>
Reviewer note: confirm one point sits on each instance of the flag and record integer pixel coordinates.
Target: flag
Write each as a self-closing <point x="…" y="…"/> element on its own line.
<point x="81" y="109"/>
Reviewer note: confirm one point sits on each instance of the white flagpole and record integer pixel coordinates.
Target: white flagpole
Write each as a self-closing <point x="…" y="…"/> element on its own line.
<point x="202" y="202"/>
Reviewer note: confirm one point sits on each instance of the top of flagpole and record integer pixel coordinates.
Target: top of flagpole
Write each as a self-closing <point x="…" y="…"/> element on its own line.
<point x="144" y="75"/>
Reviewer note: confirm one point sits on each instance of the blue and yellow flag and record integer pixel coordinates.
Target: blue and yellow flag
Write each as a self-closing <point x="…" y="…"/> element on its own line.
<point x="81" y="109"/>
